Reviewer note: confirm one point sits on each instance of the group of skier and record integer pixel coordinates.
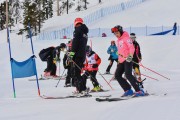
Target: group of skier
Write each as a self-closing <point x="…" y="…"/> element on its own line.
<point x="80" y="57"/>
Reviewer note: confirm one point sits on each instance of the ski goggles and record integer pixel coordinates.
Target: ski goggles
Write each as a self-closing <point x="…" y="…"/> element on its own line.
<point x="114" y="29"/>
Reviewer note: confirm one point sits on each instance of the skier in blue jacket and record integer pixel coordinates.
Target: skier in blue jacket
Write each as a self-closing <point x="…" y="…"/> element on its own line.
<point x="112" y="50"/>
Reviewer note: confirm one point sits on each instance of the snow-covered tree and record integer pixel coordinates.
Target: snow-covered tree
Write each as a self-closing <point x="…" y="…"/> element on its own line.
<point x="82" y="5"/>
<point x="16" y="7"/>
<point x="65" y="6"/>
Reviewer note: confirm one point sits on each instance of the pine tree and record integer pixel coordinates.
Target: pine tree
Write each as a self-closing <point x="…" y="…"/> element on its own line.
<point x="50" y="8"/>
<point x="66" y="5"/>
<point x="82" y="5"/>
<point x="16" y="6"/>
<point x="30" y="15"/>
<point x="2" y="16"/>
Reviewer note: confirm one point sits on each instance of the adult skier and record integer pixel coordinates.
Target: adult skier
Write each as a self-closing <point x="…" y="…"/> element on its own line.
<point x="137" y="57"/>
<point x="51" y="55"/>
<point x="78" y="53"/>
<point x="68" y="64"/>
<point x="125" y="52"/>
<point x="91" y="67"/>
<point x="112" y="50"/>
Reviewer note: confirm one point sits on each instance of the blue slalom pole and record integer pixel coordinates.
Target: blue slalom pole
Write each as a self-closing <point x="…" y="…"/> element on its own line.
<point x="14" y="90"/>
<point x="30" y="36"/>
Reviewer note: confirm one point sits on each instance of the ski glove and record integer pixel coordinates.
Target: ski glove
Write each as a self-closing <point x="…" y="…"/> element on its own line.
<point x="57" y="59"/>
<point x="129" y="58"/>
<point x="71" y="54"/>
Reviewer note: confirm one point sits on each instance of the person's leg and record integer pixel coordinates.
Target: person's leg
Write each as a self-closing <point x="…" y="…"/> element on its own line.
<point x="53" y="69"/>
<point x="110" y="65"/>
<point x="79" y="80"/>
<point x="129" y="76"/>
<point x="68" y="77"/>
<point x="118" y="75"/>
<point x="93" y="78"/>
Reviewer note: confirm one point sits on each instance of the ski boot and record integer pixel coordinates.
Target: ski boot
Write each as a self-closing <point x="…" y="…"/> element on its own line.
<point x="128" y="93"/>
<point x="97" y="89"/>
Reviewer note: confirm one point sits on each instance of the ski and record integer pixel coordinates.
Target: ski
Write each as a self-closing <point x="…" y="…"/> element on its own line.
<point x="99" y="91"/>
<point x="118" y="98"/>
<point x="44" y="78"/>
<point x="71" y="96"/>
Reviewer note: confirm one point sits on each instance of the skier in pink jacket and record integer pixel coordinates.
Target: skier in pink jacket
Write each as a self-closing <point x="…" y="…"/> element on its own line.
<point x="125" y="51"/>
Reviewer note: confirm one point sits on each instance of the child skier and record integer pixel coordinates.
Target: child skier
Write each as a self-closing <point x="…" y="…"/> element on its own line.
<point x="68" y="64"/>
<point x="91" y="67"/>
<point x="125" y="52"/>
<point x="51" y="55"/>
<point x="136" y="58"/>
<point x="112" y="50"/>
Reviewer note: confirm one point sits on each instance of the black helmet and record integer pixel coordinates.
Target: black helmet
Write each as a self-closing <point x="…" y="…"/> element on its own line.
<point x="62" y="45"/>
<point x="133" y="35"/>
<point x="88" y="49"/>
<point x="117" y="28"/>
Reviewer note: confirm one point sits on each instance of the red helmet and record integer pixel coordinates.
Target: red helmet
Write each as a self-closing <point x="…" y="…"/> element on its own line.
<point x="69" y="44"/>
<point x="78" y="20"/>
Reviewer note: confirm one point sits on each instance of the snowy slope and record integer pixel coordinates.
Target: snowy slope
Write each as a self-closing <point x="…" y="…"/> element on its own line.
<point x="160" y="53"/>
<point x="151" y="13"/>
<point x="59" y="22"/>
<point x="29" y="106"/>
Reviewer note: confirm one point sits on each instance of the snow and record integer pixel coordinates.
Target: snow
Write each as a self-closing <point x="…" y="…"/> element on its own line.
<point x="29" y="106"/>
<point x="160" y="53"/>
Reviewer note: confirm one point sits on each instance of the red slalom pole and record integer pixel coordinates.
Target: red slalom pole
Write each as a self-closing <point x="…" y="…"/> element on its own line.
<point x="147" y="68"/>
<point x="152" y="71"/>
<point x="150" y="77"/>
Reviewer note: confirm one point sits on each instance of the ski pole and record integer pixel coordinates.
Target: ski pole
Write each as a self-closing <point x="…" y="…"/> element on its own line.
<point x="150" y="77"/>
<point x="85" y="72"/>
<point x="60" y="77"/>
<point x="152" y="70"/>
<point x="105" y="80"/>
<point x="147" y="68"/>
<point x="111" y="79"/>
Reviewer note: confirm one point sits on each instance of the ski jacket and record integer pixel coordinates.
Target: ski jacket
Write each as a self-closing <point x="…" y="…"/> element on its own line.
<point x="92" y="62"/>
<point x="125" y="47"/>
<point x="112" y="50"/>
<point x="53" y="52"/>
<point x="80" y="41"/>
<point x="137" y="53"/>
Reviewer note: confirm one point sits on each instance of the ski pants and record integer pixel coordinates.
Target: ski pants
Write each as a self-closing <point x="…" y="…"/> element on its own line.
<point x="110" y="64"/>
<point x="126" y="67"/>
<point x="92" y="75"/>
<point x="79" y="83"/>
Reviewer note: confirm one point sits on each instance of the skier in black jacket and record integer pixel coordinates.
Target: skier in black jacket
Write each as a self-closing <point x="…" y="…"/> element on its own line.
<point x="137" y="57"/>
<point x="78" y="53"/>
<point x="51" y="55"/>
<point x="68" y="64"/>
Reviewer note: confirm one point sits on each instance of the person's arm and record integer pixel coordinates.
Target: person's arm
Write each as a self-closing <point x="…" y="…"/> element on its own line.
<point x="109" y="50"/>
<point x="130" y="45"/>
<point x="139" y="52"/>
<point x="77" y="36"/>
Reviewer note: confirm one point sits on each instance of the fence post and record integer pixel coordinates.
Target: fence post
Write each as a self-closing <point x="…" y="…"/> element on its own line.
<point x="146" y="30"/>
<point x="162" y="28"/>
<point x="99" y="32"/>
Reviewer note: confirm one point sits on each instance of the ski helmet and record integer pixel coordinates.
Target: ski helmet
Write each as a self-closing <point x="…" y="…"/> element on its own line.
<point x="69" y="44"/>
<point x="78" y="20"/>
<point x="112" y="42"/>
<point x="117" y="28"/>
<point x="88" y="49"/>
<point x="133" y="36"/>
<point x="62" y="45"/>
